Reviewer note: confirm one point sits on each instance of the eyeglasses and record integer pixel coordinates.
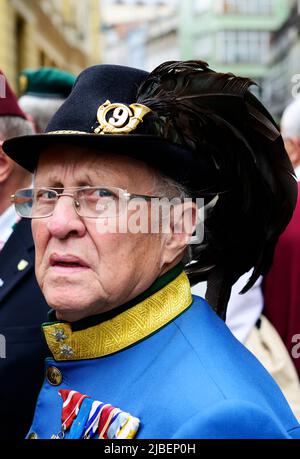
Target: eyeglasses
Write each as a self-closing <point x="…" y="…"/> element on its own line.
<point x="88" y="202"/>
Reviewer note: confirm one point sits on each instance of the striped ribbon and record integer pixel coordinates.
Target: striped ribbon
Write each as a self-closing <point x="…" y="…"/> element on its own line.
<point x="104" y="421"/>
<point x="72" y="401"/>
<point x="92" y="423"/>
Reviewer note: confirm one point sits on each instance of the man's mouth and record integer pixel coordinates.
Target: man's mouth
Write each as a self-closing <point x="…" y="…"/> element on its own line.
<point x="67" y="263"/>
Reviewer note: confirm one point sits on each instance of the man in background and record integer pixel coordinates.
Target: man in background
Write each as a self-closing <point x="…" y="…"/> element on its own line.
<point x="290" y="128"/>
<point x="22" y="306"/>
<point x="42" y="93"/>
<point x="282" y="284"/>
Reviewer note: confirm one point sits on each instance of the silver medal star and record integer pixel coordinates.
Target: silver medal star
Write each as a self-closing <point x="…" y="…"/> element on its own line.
<point x="59" y="334"/>
<point x="66" y="350"/>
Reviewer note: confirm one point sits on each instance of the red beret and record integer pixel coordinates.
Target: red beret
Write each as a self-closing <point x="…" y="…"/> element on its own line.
<point x="8" y="102"/>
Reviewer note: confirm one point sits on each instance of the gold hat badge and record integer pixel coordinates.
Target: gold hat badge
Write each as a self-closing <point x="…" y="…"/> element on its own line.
<point x="119" y="118"/>
<point x="23" y="83"/>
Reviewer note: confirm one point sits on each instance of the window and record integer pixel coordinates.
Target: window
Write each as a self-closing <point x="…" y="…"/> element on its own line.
<point x="243" y="46"/>
<point x="20" y="43"/>
<point x="263" y="7"/>
<point x="43" y="59"/>
<point x="203" y="47"/>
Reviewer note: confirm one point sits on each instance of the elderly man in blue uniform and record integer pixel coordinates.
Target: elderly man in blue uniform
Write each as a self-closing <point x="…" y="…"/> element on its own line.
<point x="134" y="354"/>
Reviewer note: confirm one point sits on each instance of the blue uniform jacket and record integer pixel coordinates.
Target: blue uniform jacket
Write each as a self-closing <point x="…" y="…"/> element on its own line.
<point x="190" y="379"/>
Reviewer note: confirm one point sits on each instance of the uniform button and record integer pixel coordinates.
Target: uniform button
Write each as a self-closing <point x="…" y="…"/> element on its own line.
<point x="54" y="376"/>
<point x="32" y="436"/>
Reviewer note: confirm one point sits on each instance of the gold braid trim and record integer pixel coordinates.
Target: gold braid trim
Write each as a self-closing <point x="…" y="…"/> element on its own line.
<point x="126" y="329"/>
<point x="65" y="132"/>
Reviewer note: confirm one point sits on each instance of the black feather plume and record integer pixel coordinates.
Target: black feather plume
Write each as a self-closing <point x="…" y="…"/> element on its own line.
<point x="218" y="118"/>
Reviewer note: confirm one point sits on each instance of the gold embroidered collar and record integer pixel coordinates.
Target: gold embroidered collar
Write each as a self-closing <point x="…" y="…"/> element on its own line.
<point x="125" y="329"/>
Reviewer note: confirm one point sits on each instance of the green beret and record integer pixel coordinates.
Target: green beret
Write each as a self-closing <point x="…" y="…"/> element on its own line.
<point x="46" y="82"/>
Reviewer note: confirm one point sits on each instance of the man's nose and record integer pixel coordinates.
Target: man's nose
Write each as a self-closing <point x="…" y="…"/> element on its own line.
<point x="64" y="221"/>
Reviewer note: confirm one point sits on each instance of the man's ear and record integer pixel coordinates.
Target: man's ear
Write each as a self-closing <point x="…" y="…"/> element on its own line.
<point x="6" y="165"/>
<point x="182" y="224"/>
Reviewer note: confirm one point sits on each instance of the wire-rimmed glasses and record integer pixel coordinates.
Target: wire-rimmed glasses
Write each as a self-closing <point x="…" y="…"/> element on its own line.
<point x="88" y="202"/>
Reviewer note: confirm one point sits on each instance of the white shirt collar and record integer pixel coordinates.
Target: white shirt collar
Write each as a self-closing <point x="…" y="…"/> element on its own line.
<point x="7" y="221"/>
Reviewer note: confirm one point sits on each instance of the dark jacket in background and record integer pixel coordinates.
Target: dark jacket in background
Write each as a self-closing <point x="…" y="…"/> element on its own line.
<point x="22" y="311"/>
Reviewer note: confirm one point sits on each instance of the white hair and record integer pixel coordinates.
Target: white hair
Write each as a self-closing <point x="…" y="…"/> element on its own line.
<point x="290" y="121"/>
<point x="15" y="126"/>
<point x="40" y="108"/>
<point x="167" y="187"/>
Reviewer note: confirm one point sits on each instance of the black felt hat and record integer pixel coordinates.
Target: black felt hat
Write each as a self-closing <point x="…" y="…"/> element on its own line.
<point x="76" y="122"/>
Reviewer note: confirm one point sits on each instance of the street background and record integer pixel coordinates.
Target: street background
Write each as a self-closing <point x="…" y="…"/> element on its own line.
<point x="255" y="38"/>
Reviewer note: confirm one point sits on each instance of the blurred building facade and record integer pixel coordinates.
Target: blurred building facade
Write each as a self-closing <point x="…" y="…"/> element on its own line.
<point x="232" y="35"/>
<point x="60" y="33"/>
<point x="139" y="33"/>
<point x="282" y="82"/>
